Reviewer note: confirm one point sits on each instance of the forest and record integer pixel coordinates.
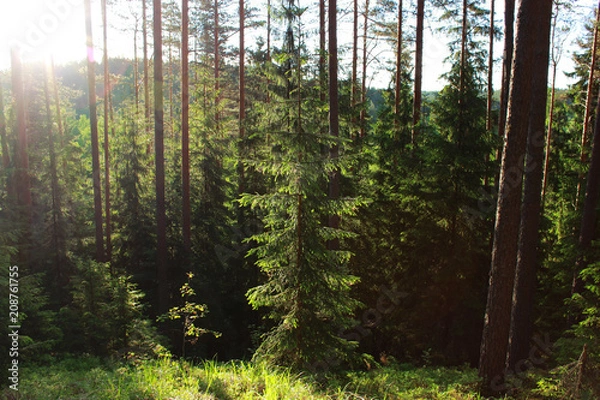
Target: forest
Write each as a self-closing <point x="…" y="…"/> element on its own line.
<point x="235" y="211"/>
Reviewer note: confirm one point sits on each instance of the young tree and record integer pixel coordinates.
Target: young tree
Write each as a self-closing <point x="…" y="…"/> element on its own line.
<point x="505" y="245"/>
<point x="91" y="76"/>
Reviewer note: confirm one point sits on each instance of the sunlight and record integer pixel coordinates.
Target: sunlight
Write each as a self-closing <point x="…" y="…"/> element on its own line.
<point x="42" y="28"/>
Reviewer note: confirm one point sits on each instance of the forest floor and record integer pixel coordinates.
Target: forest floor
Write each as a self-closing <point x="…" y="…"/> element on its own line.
<point x="166" y="379"/>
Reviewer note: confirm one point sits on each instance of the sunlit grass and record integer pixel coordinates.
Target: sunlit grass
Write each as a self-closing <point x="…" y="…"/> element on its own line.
<point x="167" y="379"/>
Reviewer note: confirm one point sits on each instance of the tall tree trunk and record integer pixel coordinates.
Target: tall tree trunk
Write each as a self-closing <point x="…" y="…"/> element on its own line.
<point x="417" y="97"/>
<point x="587" y="118"/>
<point x="509" y="22"/>
<point x="588" y="219"/>
<point x="91" y="69"/>
<point x="107" y="101"/>
<point x="170" y="79"/>
<point x="268" y="99"/>
<point x="555" y="57"/>
<point x="161" y="218"/>
<point x="363" y="93"/>
<point x="57" y="239"/>
<point x="3" y="137"/>
<point x="354" y="77"/>
<point x="322" y="51"/>
<point x="21" y="176"/>
<point x="504" y="253"/>
<point x="463" y="51"/>
<point x="185" y="129"/>
<point x="146" y="66"/>
<point x="490" y="84"/>
<point x="521" y="327"/>
<point x="334" y="123"/>
<point x="242" y="105"/>
<point x="136" y="72"/>
<point x="398" y="83"/>
<point x="217" y="65"/>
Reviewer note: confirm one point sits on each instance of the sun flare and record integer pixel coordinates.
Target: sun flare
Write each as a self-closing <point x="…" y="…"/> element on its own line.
<point x="40" y="29"/>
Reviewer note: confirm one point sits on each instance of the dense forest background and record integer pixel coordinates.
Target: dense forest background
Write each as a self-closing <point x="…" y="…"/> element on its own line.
<point x="260" y="200"/>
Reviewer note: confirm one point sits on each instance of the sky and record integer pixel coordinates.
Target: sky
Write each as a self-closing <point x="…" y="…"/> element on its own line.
<point x="44" y="28"/>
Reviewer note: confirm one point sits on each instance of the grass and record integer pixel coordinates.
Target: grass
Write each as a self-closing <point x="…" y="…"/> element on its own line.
<point x="166" y="379"/>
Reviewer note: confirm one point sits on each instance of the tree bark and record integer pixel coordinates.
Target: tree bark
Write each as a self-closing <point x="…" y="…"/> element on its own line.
<point x="354" y="77"/>
<point x="363" y="94"/>
<point x="3" y="137"/>
<point x="490" y="84"/>
<point x="161" y="219"/>
<point x="57" y="239"/>
<point x="509" y="22"/>
<point x="398" y="83"/>
<point x="587" y="118"/>
<point x="334" y="124"/>
<point x="185" y="130"/>
<point x="217" y="64"/>
<point x="107" y="101"/>
<point x="555" y="58"/>
<point x="521" y="327"/>
<point x="322" y="51"/>
<point x="417" y="99"/>
<point x="146" y="66"/>
<point x="91" y="69"/>
<point x="504" y="252"/>
<point x="588" y="219"/>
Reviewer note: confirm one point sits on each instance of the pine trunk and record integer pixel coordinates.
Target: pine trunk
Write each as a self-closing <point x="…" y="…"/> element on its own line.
<point x="3" y="137"/>
<point x="504" y="252"/>
<point x="521" y="328"/>
<point x="57" y="236"/>
<point x="334" y="123"/>
<point x="322" y="51"/>
<point x="354" y="77"/>
<point x="185" y="130"/>
<point x="146" y="66"/>
<point x="587" y="118"/>
<point x="363" y="93"/>
<point x="398" y="83"/>
<point x="217" y="64"/>
<point x="161" y="219"/>
<point x="100" y="255"/>
<point x="417" y="99"/>
<point x="509" y="22"/>
<point x="490" y="71"/>
<point x="107" y="101"/>
<point x="588" y="219"/>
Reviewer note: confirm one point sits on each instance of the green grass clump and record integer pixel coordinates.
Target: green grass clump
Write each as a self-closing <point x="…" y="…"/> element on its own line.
<point x="167" y="379"/>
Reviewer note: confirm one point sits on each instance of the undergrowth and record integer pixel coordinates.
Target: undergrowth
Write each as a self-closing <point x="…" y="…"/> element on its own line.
<point x="168" y="379"/>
